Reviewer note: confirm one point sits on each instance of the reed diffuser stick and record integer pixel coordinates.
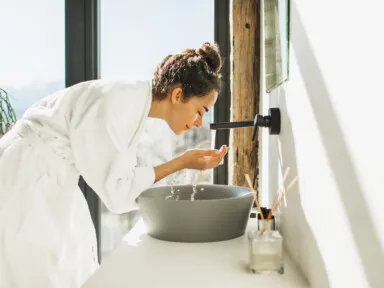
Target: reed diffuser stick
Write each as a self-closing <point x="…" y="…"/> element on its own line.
<point x="277" y="196"/>
<point x="290" y="185"/>
<point x="256" y="202"/>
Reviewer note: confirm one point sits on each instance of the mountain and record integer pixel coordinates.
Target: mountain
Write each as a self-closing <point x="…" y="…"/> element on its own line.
<point x="22" y="98"/>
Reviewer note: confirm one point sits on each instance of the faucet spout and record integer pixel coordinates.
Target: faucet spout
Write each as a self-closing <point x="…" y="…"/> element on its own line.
<point x="271" y="121"/>
<point x="230" y="125"/>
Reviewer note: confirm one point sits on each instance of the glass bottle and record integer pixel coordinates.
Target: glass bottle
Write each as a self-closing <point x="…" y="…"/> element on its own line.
<point x="266" y="254"/>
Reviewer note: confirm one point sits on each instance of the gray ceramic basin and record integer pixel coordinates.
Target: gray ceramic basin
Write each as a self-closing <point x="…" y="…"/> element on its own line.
<point x="218" y="212"/>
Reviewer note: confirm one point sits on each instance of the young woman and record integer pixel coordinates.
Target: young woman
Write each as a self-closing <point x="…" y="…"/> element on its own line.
<point x="47" y="238"/>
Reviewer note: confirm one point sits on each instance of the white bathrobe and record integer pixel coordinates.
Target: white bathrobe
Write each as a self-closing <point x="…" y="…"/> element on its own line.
<point x="47" y="237"/>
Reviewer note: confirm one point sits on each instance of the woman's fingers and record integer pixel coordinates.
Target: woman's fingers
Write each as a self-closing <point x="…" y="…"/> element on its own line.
<point x="207" y="153"/>
<point x="205" y="159"/>
<point x="213" y="162"/>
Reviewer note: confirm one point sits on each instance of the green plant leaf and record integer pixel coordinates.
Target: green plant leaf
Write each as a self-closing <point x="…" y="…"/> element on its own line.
<point x="7" y="113"/>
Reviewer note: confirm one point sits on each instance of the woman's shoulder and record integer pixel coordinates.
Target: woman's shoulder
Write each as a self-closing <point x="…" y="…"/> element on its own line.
<point x="120" y="90"/>
<point x="112" y="85"/>
<point x="119" y="84"/>
<point x="121" y="95"/>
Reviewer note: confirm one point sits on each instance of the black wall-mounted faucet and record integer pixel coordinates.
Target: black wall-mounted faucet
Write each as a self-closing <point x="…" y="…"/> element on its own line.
<point x="272" y="121"/>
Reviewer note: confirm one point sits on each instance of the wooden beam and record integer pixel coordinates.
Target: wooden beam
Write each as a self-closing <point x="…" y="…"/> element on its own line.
<point x="245" y="88"/>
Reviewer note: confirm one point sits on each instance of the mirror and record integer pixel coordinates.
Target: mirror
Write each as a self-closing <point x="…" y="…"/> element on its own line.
<point x="276" y="42"/>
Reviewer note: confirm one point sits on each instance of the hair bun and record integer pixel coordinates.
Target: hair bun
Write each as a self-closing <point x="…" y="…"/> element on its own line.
<point x="211" y="55"/>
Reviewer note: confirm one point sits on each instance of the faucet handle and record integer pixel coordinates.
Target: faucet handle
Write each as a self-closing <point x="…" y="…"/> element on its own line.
<point x="272" y="121"/>
<point x="275" y="121"/>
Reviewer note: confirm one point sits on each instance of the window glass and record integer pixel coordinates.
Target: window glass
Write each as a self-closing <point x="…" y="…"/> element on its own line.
<point x="32" y="56"/>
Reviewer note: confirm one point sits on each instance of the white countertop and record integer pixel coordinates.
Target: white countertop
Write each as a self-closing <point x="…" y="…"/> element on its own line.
<point x="142" y="261"/>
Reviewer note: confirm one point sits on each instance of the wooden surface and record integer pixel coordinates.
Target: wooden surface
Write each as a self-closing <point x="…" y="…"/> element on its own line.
<point x="245" y="87"/>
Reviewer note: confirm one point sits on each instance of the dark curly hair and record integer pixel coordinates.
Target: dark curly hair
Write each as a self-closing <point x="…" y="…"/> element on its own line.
<point x="195" y="70"/>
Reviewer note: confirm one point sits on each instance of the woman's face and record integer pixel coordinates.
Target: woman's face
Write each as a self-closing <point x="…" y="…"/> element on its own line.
<point x="186" y="115"/>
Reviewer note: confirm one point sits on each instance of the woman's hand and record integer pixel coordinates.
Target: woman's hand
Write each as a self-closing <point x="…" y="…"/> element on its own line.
<point x="203" y="159"/>
<point x="192" y="159"/>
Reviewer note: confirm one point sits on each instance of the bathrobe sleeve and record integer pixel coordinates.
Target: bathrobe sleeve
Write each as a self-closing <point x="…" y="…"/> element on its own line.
<point x="104" y="125"/>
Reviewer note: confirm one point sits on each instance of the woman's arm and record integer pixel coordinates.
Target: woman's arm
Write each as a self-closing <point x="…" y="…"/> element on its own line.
<point x="168" y="168"/>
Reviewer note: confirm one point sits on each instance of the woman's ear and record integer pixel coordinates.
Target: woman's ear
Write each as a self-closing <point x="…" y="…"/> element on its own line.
<point x="176" y="95"/>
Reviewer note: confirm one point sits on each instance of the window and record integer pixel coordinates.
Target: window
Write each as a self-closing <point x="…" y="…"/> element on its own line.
<point x="276" y="42"/>
<point x="135" y="37"/>
<point x="32" y="55"/>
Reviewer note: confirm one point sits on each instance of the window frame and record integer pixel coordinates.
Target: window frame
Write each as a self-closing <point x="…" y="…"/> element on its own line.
<point x="222" y="109"/>
<point x="82" y="36"/>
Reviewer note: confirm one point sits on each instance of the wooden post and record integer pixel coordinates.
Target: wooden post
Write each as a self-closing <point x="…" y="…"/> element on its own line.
<point x="245" y="88"/>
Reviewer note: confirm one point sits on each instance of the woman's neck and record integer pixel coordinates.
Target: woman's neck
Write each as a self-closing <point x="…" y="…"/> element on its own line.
<point x="159" y="109"/>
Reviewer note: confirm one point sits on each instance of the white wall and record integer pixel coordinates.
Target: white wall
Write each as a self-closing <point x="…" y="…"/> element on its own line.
<point x="333" y="139"/>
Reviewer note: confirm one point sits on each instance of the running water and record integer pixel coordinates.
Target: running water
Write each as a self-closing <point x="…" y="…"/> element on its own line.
<point x="183" y="177"/>
<point x="178" y="177"/>
<point x="172" y="195"/>
<point x="194" y="185"/>
<point x="194" y="191"/>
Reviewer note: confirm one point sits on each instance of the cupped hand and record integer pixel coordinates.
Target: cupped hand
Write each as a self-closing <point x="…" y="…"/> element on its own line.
<point x="204" y="159"/>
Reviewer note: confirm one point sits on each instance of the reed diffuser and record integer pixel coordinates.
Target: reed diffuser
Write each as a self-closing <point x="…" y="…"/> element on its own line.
<point x="266" y="252"/>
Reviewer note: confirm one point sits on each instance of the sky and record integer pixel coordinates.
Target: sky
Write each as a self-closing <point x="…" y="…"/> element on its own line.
<point x="134" y="36"/>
